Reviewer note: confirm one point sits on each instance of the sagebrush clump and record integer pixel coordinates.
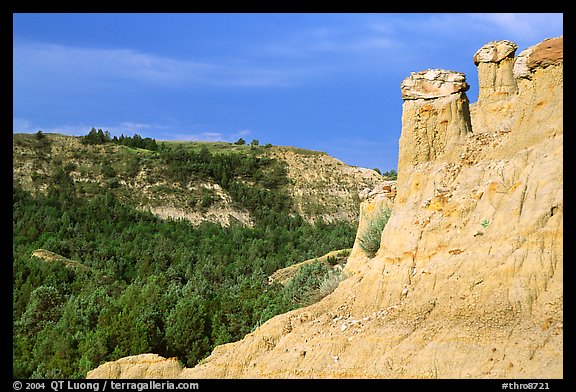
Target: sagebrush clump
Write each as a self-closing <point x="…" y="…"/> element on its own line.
<point x="313" y="282"/>
<point x="370" y="239"/>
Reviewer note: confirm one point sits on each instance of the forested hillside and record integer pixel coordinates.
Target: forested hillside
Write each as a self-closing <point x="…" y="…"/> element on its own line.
<point x="215" y="182"/>
<point x="145" y="284"/>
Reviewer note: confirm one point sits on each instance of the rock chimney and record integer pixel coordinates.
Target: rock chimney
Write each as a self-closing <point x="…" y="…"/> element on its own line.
<point x="497" y="86"/>
<point x="435" y="116"/>
<point x="495" y="62"/>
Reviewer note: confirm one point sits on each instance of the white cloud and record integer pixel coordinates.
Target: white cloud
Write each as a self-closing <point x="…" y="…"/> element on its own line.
<point x="21" y="125"/>
<point x="133" y="126"/>
<point x="192" y="136"/>
<point x="156" y="131"/>
<point x="43" y="63"/>
<point x="327" y="40"/>
<point x="34" y="59"/>
<point x="517" y="27"/>
<point x="205" y="136"/>
<point x="521" y="25"/>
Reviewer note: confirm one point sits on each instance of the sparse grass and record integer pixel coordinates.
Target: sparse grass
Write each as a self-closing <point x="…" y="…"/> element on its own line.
<point x="370" y="239"/>
<point x="213" y="147"/>
<point x="225" y="147"/>
<point x="313" y="282"/>
<point x="301" y="151"/>
<point x="328" y="285"/>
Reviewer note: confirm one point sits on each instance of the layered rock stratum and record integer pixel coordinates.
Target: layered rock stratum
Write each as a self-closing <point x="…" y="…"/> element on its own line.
<point x="468" y="280"/>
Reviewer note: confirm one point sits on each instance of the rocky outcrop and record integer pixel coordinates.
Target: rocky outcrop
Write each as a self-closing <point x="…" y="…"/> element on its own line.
<point x="546" y="53"/>
<point x="435" y="117"/>
<point x="468" y="280"/>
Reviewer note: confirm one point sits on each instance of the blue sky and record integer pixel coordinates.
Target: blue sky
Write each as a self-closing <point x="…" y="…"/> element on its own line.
<point x="328" y="82"/>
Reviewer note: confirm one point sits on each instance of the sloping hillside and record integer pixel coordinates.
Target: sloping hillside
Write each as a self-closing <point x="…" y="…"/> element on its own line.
<point x="467" y="282"/>
<point x="321" y="186"/>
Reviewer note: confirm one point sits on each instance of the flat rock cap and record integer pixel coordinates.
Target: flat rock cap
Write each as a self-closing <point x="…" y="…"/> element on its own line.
<point x="495" y="51"/>
<point x="433" y="83"/>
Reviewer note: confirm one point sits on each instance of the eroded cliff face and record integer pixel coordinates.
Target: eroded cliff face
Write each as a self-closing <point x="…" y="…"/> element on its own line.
<point x="467" y="282"/>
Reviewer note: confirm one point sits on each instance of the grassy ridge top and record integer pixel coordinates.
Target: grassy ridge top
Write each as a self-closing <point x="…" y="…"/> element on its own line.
<point x="226" y="147"/>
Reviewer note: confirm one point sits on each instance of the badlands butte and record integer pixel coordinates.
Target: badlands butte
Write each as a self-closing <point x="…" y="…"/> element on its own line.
<point x="467" y="282"/>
